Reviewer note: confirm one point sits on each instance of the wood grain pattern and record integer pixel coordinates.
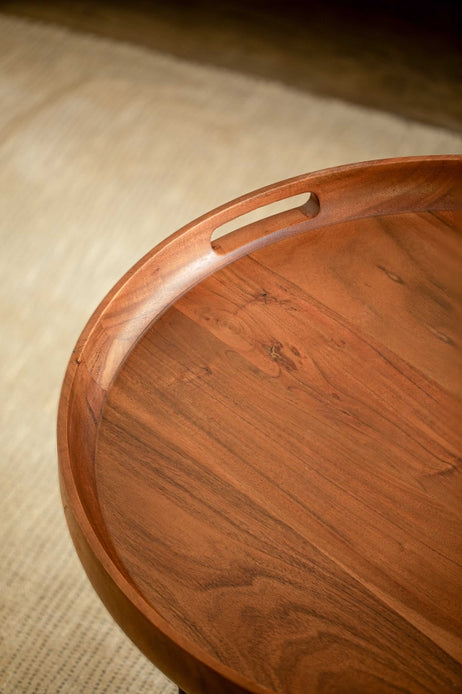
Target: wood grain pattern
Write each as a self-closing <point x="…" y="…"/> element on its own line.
<point x="264" y="483"/>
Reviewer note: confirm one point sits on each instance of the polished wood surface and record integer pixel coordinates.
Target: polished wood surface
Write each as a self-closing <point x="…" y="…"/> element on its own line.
<point x="260" y="441"/>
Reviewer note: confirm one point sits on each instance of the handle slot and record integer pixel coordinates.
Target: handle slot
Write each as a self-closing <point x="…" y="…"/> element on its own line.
<point x="258" y="224"/>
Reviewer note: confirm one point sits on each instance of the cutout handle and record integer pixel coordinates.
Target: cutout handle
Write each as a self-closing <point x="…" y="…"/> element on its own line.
<point x="232" y="235"/>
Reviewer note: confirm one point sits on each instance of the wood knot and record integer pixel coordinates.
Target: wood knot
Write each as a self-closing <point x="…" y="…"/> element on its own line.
<point x="275" y="352"/>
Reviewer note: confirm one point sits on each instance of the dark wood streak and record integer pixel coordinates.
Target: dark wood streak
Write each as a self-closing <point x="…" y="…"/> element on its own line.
<point x="265" y="483"/>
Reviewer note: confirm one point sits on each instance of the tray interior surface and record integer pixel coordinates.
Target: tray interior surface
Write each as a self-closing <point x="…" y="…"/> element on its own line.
<point x="277" y="460"/>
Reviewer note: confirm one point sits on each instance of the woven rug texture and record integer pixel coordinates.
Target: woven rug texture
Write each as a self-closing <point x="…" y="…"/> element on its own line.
<point x="105" y="149"/>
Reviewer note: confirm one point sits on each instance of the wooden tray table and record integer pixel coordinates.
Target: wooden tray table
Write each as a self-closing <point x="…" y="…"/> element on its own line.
<point x="260" y="440"/>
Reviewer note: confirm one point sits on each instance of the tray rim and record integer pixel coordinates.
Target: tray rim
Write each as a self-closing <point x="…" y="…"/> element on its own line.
<point x="388" y="187"/>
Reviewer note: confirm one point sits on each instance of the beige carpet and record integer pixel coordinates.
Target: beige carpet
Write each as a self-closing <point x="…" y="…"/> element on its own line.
<point x="105" y="149"/>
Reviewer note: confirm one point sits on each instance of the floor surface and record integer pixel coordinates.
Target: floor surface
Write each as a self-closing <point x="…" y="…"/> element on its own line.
<point x="405" y="58"/>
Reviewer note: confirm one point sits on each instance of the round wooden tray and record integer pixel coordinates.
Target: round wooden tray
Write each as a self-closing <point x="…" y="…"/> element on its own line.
<point x="260" y="439"/>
